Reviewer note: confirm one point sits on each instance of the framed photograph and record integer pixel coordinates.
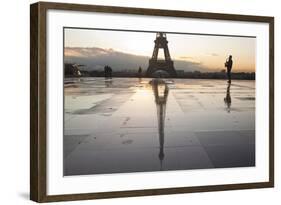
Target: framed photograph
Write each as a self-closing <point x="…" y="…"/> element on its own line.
<point x="134" y="102"/>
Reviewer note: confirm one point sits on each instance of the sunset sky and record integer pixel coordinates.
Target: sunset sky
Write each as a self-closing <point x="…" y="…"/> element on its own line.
<point x="209" y="52"/>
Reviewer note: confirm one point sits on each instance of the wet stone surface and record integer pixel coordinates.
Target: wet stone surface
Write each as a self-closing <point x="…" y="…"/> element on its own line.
<point x="135" y="125"/>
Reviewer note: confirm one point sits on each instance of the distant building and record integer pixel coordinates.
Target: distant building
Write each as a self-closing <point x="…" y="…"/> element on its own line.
<point x="71" y="70"/>
<point x="180" y="72"/>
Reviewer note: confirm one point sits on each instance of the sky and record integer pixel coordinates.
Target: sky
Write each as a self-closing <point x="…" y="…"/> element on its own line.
<point x="210" y="52"/>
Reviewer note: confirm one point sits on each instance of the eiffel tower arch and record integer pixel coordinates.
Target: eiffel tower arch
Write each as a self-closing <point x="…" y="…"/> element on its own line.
<point x="166" y="65"/>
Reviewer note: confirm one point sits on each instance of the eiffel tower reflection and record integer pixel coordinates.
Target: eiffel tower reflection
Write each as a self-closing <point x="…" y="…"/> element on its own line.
<point x="161" y="91"/>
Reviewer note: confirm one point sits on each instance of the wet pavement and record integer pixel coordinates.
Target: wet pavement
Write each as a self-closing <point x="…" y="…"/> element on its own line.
<point x="134" y="125"/>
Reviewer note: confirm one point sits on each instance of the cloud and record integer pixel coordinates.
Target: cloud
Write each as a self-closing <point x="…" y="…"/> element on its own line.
<point x="190" y="59"/>
<point x="213" y="54"/>
<point x="86" y="52"/>
<point x="186" y="57"/>
<point x="95" y="58"/>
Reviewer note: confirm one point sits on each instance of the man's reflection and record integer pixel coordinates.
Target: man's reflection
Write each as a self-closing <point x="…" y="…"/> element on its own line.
<point x="108" y="83"/>
<point x="227" y="99"/>
<point x="161" y="91"/>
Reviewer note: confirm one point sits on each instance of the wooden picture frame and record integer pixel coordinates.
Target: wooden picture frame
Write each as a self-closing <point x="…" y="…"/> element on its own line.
<point x="38" y="100"/>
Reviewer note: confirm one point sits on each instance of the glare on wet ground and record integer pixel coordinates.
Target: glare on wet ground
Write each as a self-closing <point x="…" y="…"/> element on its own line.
<point x="133" y="125"/>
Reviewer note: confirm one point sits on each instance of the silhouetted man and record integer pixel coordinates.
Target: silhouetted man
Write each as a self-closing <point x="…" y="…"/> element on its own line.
<point x="109" y="71"/>
<point x="105" y="71"/>
<point x="228" y="65"/>
<point x="139" y="72"/>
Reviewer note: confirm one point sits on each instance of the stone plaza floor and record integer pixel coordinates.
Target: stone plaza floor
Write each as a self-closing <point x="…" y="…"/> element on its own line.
<point x="123" y="125"/>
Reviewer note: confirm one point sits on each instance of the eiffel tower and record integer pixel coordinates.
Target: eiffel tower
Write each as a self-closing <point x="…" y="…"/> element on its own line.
<point x="166" y="65"/>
